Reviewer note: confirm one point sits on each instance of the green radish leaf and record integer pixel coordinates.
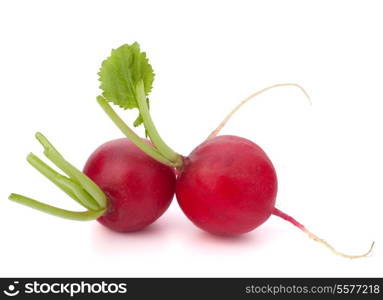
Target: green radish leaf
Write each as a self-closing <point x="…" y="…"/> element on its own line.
<point x="120" y="73"/>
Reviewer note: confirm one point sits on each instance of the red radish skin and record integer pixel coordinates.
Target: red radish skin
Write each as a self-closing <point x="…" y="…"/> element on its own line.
<point x="228" y="186"/>
<point x="139" y="189"/>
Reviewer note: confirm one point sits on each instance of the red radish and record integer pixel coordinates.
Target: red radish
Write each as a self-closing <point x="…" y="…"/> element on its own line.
<point x="130" y="189"/>
<point x="139" y="189"/>
<point x="121" y="187"/>
<point x="227" y="186"/>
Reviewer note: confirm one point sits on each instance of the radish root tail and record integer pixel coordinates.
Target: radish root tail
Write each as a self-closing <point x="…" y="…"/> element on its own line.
<point x="287" y="218"/>
<point x="227" y="118"/>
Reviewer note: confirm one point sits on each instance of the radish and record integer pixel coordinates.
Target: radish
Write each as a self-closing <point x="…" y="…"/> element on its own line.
<point x="125" y="189"/>
<point x="227" y="185"/>
<point x="122" y="187"/>
<point x="139" y="189"/>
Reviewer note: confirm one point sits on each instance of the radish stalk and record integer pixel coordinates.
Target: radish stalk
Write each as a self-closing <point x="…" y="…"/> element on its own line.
<point x="130" y="134"/>
<point x="73" y="189"/>
<point x="76" y="175"/>
<point x="290" y="219"/>
<point x="78" y="186"/>
<point x="55" y="211"/>
<point x="158" y="142"/>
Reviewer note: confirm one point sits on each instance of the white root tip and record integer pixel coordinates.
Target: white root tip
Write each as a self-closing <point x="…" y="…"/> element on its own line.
<point x="333" y="250"/>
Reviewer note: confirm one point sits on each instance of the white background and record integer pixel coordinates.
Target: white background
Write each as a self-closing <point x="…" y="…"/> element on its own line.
<point x="207" y="55"/>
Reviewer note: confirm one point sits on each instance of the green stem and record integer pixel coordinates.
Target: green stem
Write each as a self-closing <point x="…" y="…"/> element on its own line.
<point x="67" y="214"/>
<point x="80" y="187"/>
<point x="130" y="134"/>
<point x="74" y="190"/>
<point x="158" y="142"/>
<point x="86" y="183"/>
